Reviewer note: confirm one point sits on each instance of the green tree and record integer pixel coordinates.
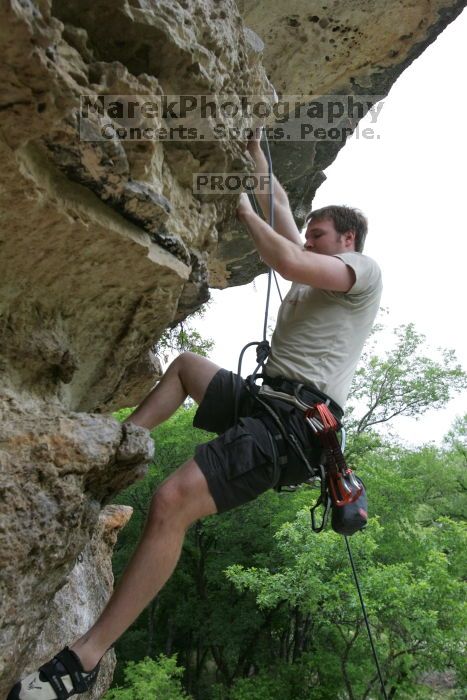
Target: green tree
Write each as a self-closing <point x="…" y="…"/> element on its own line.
<point x="456" y="440"/>
<point x="151" y="679"/>
<point x="404" y="382"/>
<point x="416" y="604"/>
<point x="287" y="611"/>
<point x="183" y="337"/>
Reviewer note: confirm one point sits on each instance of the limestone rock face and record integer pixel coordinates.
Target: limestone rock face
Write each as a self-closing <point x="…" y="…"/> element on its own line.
<point x="81" y="599"/>
<point x="118" y="216"/>
<point x="57" y="470"/>
<point x="104" y="245"/>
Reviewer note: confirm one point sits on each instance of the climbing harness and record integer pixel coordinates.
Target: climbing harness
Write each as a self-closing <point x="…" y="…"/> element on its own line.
<point x="342" y="492"/>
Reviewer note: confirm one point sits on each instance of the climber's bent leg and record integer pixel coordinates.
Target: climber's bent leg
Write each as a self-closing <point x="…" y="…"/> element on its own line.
<point x="188" y="375"/>
<point x="181" y="500"/>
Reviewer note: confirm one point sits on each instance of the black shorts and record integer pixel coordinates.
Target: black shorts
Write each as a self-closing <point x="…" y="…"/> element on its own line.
<point x="239" y="465"/>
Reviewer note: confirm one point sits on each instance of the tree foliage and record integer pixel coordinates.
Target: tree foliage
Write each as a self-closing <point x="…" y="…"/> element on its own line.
<point x="151" y="678"/>
<point x="183" y="337"/>
<point x="404" y="382"/>
<point x="456" y="439"/>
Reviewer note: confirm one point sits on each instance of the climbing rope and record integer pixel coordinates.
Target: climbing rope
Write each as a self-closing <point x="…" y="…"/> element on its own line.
<point x="367" y="623"/>
<point x="262" y="346"/>
<point x="262" y="352"/>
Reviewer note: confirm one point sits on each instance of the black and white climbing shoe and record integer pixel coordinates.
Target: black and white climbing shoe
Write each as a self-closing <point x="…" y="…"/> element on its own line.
<point x="58" y="679"/>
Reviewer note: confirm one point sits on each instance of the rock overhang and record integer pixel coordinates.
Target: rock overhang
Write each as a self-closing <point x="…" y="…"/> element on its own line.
<point x="123" y="212"/>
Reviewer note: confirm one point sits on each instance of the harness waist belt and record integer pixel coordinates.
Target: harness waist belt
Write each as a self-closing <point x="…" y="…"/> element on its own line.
<point x="309" y="394"/>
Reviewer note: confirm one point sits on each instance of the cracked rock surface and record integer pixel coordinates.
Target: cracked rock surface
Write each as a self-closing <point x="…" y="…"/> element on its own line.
<point x="104" y="245"/>
<point x="80" y="600"/>
<point x="57" y="471"/>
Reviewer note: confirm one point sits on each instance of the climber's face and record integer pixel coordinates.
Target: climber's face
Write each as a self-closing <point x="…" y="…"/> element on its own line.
<point x="322" y="237"/>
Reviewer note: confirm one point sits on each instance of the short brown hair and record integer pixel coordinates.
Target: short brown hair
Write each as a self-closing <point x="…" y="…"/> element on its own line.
<point x="344" y="219"/>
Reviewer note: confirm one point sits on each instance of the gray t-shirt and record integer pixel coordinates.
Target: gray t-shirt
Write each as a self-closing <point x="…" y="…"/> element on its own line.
<point x="319" y="335"/>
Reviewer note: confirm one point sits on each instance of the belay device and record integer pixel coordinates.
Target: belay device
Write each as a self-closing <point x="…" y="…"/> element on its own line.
<point x="341" y="491"/>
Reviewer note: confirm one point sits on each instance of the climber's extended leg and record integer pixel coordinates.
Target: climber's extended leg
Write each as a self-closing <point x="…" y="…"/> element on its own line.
<point x="181" y="499"/>
<point x="188" y="375"/>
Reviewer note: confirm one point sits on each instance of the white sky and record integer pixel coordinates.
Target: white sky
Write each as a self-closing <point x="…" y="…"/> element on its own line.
<point x="411" y="184"/>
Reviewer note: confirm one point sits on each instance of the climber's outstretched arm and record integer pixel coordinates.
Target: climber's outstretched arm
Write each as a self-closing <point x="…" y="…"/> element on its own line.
<point x="284" y="222"/>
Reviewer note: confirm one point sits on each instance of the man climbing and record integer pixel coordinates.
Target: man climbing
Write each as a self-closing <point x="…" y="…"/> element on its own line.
<point x="321" y="328"/>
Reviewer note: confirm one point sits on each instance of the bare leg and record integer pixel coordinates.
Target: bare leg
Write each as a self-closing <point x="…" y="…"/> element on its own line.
<point x="182" y="499"/>
<point x="188" y="375"/>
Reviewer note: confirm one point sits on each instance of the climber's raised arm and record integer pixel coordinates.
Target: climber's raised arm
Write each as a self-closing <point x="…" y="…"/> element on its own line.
<point x="284" y="222"/>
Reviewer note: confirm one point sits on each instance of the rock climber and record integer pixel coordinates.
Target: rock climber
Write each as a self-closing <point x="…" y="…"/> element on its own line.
<point x="321" y="327"/>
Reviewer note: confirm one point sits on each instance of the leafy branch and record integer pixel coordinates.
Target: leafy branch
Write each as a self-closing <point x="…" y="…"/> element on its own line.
<point x="184" y="338"/>
<point x="404" y="382"/>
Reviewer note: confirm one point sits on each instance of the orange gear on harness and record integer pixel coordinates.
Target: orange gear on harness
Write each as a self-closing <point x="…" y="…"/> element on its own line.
<point x="343" y="485"/>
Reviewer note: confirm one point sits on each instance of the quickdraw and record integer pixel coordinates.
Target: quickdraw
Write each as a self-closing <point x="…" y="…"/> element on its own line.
<point x="342" y="492"/>
<point x="342" y="483"/>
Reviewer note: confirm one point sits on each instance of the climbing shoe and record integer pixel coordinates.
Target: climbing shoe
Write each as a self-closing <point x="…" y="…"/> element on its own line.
<point x="58" y="679"/>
